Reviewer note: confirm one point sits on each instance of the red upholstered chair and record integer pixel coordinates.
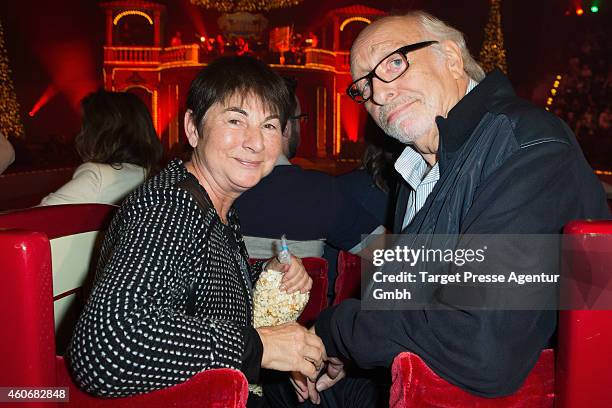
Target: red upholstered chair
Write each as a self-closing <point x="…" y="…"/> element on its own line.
<point x="348" y="281"/>
<point x="317" y="270"/>
<point x="45" y="257"/>
<point x="416" y="385"/>
<point x="584" y="352"/>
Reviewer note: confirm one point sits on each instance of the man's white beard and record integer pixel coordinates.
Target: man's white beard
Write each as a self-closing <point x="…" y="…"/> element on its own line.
<point x="418" y="127"/>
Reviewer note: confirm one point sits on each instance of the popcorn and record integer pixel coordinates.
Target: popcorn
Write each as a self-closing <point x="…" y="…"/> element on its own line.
<point x="272" y="306"/>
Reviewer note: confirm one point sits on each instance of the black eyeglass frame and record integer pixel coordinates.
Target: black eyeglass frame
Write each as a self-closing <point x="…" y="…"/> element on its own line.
<point x="403" y="51"/>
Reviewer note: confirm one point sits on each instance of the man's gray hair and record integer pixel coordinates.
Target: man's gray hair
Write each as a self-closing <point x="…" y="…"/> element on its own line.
<point x="441" y="31"/>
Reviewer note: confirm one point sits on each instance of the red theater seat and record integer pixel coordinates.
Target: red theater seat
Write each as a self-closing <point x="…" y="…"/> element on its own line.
<point x="584" y="354"/>
<point x="317" y="269"/>
<point x="348" y="281"/>
<point x="36" y="246"/>
<point x="416" y="385"/>
<point x="218" y="388"/>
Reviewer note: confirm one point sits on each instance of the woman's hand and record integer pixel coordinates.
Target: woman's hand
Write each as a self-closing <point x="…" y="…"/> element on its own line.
<point x="290" y="347"/>
<point x="295" y="276"/>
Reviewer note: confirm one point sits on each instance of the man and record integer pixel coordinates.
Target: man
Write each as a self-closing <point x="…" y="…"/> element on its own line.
<point x="479" y="160"/>
<point x="306" y="205"/>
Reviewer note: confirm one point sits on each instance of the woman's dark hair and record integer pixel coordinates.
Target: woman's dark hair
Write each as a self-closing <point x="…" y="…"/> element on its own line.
<point x="229" y="76"/>
<point x="117" y="128"/>
<point x="380" y="155"/>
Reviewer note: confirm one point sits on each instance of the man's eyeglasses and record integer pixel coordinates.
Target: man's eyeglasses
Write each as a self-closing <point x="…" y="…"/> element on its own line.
<point x="387" y="70"/>
<point x="302" y="118"/>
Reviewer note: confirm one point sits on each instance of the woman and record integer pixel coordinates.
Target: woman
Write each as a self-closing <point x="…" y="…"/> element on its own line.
<point x="172" y="295"/>
<point x="119" y="147"/>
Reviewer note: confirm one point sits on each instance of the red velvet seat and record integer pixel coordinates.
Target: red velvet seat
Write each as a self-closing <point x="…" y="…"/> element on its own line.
<point x="584" y="352"/>
<point x="317" y="269"/>
<point x="348" y="281"/>
<point x="416" y="385"/>
<point x="28" y="346"/>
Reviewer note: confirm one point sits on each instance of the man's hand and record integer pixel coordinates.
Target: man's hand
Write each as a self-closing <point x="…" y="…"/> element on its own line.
<point x="334" y="373"/>
<point x="295" y="276"/>
<point x="290" y="347"/>
<point x="305" y="388"/>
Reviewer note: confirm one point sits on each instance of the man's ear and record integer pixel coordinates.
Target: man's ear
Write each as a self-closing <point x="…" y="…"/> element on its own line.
<point x="191" y="129"/>
<point x="453" y="58"/>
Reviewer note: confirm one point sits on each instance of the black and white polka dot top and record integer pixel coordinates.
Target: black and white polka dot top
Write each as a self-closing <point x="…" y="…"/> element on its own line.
<point x="137" y="332"/>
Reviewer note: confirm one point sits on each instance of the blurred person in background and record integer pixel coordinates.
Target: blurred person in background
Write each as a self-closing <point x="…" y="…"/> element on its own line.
<point x="119" y="148"/>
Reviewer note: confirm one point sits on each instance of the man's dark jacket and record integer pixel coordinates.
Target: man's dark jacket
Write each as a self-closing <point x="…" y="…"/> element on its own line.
<point x="506" y="167"/>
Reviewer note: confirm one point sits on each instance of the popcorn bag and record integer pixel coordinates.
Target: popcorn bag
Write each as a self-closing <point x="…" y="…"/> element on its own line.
<point x="272" y="306"/>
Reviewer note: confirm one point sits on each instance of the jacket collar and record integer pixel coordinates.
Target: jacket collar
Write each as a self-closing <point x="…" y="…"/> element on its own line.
<point x="463" y="118"/>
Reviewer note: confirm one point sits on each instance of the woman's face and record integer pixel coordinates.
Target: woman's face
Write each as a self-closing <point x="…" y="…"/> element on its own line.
<point x="239" y="144"/>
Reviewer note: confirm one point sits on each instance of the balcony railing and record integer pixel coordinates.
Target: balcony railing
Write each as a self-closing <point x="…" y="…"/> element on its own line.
<point x="319" y="57"/>
<point x="132" y="55"/>
<point x="180" y="54"/>
<point x="190" y="54"/>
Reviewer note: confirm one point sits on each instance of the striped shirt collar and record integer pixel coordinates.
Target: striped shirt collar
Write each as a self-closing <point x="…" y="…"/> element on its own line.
<point x="471" y="85"/>
<point x="413" y="168"/>
<point x="282" y="161"/>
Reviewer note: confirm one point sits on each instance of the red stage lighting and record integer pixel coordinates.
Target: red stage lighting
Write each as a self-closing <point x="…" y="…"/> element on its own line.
<point x="195" y="15"/>
<point x="49" y="93"/>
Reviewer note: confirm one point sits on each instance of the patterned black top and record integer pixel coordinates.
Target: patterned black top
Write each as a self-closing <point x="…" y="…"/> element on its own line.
<point x="141" y="329"/>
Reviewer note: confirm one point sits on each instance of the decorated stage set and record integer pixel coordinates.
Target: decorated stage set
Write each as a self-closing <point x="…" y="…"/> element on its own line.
<point x="137" y="60"/>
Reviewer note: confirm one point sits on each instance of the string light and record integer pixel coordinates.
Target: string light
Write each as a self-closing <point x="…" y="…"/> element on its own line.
<point x="232" y="6"/>
<point x="132" y="13"/>
<point x="351" y="19"/>
<point x="493" y="52"/>
<point x="553" y="92"/>
<point x="10" y="121"/>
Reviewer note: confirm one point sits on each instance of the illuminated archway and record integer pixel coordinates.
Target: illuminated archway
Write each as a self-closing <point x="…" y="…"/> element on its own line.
<point x="352" y="19"/>
<point x="349" y="29"/>
<point x="132" y="13"/>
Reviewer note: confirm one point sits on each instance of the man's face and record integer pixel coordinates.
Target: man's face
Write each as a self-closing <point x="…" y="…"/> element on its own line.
<point x="292" y="133"/>
<point x="407" y="107"/>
